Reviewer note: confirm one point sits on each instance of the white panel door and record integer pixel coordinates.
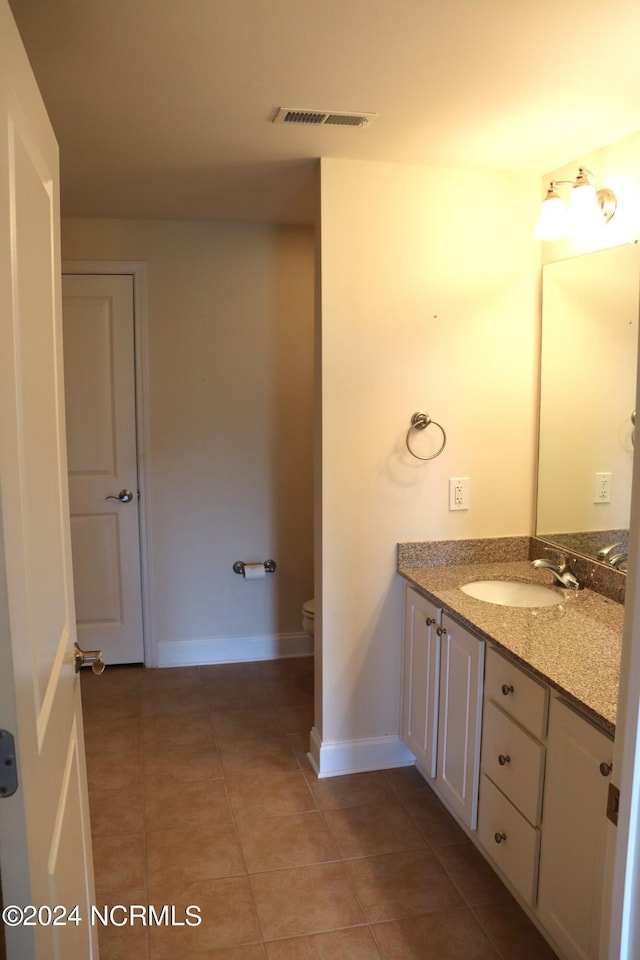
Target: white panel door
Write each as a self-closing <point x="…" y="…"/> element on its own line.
<point x="421" y="672"/>
<point x="460" y="720"/>
<point x="45" y="844"/>
<point x="101" y="442"/>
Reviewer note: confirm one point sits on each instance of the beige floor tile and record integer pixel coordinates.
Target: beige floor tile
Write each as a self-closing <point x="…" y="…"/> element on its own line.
<point x="373" y="828"/>
<point x="304" y="900"/>
<point x="227" y="913"/>
<point x="356" y="943"/>
<point x="399" y="885"/>
<point x="300" y="746"/>
<point x="272" y="794"/>
<point x="440" y="936"/>
<point x="219" y="695"/>
<point x="406" y="781"/>
<point x="107" y="705"/>
<point x="227" y="788"/>
<point x="512" y="933"/>
<point x="291" y="691"/>
<point x="287" y="667"/>
<point x="254" y="951"/>
<point x="472" y="875"/>
<point x="257" y="756"/>
<point x="433" y="819"/>
<point x="352" y="790"/>
<point x="116" y="738"/>
<point x="113" y="682"/>
<point x="296" y="718"/>
<point x="119" y="863"/>
<point x="169" y="731"/>
<point x="230" y="673"/>
<point x="127" y="941"/>
<point x="190" y="855"/>
<point x="170" y="678"/>
<point x="174" y="702"/>
<point x="116" y="812"/>
<point x="198" y="804"/>
<point x="285" y="842"/>
<point x="105" y="772"/>
<point x="189" y="761"/>
<point x="248" y="723"/>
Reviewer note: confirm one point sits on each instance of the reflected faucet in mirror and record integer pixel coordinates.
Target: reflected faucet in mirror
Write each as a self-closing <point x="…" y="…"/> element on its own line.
<point x="613" y="555"/>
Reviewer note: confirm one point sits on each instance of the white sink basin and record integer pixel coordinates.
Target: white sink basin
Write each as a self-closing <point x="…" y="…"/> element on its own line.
<point x="511" y="593"/>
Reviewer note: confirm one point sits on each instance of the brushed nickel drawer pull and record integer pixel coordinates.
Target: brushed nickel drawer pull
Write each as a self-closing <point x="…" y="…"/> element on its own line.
<point x="500" y="837"/>
<point x="605" y="769"/>
<point x="506" y="690"/>
<point x="502" y="759"/>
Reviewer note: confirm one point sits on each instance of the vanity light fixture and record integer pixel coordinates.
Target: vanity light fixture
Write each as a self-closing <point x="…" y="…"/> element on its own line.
<point x="588" y="207"/>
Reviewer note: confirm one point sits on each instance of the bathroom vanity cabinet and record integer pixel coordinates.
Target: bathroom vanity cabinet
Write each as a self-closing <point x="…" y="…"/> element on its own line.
<point x="579" y="763"/>
<point x="442" y="703"/>
<point x="524" y="773"/>
<point x="513" y="763"/>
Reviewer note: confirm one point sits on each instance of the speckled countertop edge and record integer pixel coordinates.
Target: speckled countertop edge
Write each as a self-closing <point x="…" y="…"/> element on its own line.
<point x="575" y="647"/>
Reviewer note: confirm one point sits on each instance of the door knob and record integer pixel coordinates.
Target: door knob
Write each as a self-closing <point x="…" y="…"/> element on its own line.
<point x="88" y="658"/>
<point x="125" y="496"/>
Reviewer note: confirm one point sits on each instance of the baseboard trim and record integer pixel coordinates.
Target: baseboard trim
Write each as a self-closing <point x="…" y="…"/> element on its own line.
<point x="336" y="758"/>
<point x="189" y="653"/>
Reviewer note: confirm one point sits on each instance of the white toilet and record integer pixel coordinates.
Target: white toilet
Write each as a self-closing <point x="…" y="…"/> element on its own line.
<point x="309" y="617"/>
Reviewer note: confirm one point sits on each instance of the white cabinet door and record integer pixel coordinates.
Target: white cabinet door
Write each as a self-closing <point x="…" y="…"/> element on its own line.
<point x="460" y="724"/>
<point x="420" y="680"/>
<point x="573" y="832"/>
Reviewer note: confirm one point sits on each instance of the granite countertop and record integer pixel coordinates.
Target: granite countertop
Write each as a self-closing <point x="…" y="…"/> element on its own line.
<point x="575" y="647"/>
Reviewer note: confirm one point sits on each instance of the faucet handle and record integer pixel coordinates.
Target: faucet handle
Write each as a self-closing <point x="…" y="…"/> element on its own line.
<point x="560" y="556"/>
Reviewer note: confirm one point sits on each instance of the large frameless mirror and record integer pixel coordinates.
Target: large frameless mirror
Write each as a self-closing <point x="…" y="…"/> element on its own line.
<point x="590" y="307"/>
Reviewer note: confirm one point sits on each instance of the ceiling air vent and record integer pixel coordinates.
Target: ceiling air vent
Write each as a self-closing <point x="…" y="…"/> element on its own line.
<point x="318" y="117"/>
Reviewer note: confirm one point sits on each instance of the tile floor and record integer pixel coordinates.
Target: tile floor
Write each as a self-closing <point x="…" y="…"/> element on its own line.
<point x="201" y="793"/>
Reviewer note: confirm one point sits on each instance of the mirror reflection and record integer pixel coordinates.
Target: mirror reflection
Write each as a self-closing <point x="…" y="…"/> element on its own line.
<point x="590" y="308"/>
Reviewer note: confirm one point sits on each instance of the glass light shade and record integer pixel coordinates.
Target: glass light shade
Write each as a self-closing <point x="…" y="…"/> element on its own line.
<point x="552" y="222"/>
<point x="584" y="213"/>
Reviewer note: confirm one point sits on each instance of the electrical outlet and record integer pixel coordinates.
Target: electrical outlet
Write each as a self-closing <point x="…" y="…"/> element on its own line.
<point x="602" y="488"/>
<point x="458" y="493"/>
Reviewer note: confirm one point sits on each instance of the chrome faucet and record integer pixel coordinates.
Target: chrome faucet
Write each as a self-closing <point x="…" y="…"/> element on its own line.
<point x="562" y="572"/>
<point x="612" y="555"/>
<point x="616" y="559"/>
<point x="605" y="552"/>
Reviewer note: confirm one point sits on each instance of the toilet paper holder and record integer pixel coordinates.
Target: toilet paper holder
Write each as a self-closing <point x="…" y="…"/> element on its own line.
<point x="269" y="565"/>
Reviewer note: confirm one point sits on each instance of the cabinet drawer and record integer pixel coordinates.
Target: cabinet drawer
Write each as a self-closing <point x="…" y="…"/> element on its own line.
<point x="513" y="760"/>
<point x="511" y="842"/>
<point x="516" y="693"/>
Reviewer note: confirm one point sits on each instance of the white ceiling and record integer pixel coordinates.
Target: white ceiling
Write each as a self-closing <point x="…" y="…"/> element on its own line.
<point x="163" y="108"/>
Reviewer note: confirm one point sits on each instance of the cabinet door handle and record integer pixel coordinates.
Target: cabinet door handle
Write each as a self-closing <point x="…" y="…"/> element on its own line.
<point x="605" y="769"/>
<point x="507" y="689"/>
<point x="430" y="621"/>
<point x="441" y="631"/>
<point x="502" y="759"/>
<point x="499" y="837"/>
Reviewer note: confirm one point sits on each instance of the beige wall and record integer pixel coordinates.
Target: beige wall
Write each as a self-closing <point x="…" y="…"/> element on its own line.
<point x="230" y="344"/>
<point x="429" y="300"/>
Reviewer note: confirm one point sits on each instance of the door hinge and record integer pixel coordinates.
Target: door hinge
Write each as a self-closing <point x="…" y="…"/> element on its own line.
<point x="8" y="766"/>
<point x="613" y="803"/>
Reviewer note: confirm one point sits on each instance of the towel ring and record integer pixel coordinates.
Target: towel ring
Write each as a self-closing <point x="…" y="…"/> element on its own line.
<point x="420" y="421"/>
